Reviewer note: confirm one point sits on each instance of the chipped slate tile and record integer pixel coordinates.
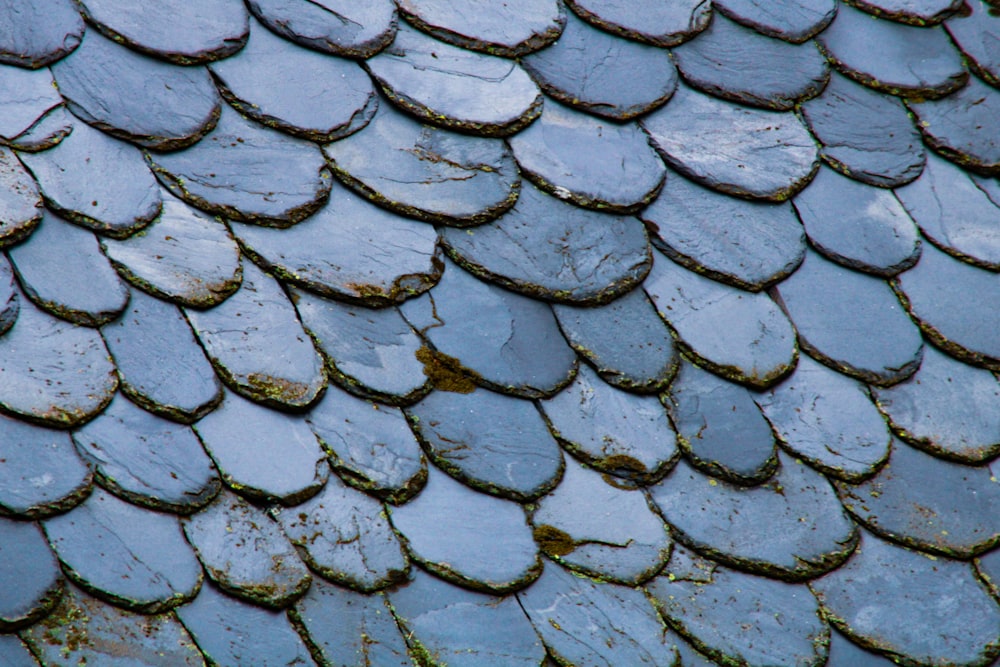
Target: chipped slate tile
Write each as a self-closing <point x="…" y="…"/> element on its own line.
<point x="595" y="527"/>
<point x="963" y="126"/>
<point x="263" y="454"/>
<point x="341" y="27"/>
<point x="595" y="71"/>
<point x="656" y="23"/>
<point x="245" y="553"/>
<point x="26" y="96"/>
<point x="577" y="256"/>
<point x="914" y="12"/>
<point x="618" y="433"/>
<point x="516" y="457"/>
<point x="740" y="151"/>
<point x="147" y="460"/>
<point x="740" y="335"/>
<point x="38" y="33"/>
<point x="451" y="530"/>
<point x="974" y="29"/>
<point x="244" y="355"/>
<point x="858" y="327"/>
<point x="889" y="599"/>
<point x="132" y="557"/>
<point x="808" y="531"/>
<point x="20" y="200"/>
<point x="349" y="250"/>
<point x="425" y="172"/>
<point x="748" y="244"/>
<point x="47" y="131"/>
<point x="791" y="20"/>
<point x="33" y="583"/>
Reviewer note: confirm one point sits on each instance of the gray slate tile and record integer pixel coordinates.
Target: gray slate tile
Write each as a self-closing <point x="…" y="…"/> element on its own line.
<point x="40" y="33"/>
<point x="341" y="27"/>
<point x="26" y="95"/>
<point x="791" y="20"/>
<point x="656" y="23"/>
<point x="33" y="583"/>
<point x="914" y="12"/>
<point x="973" y="32"/>
<point x="20" y="200"/>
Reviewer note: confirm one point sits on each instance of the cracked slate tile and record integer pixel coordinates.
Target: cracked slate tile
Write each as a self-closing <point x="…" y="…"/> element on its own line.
<point x="577" y="256"/>
<point x="590" y="524"/>
<point x="427" y="172"/>
<point x="808" y="532"/>
<point x="39" y="33"/>
<point x="132" y="557"/>
<point x="341" y="27"/>
<point x="448" y="625"/>
<point x="263" y="454"/>
<point x="914" y="12"/>
<point x="947" y="408"/>
<point x="750" y="153"/>
<point x="748" y="244"/>
<point x="593" y="70"/>
<point x="10" y="297"/>
<point x="738" y="618"/>
<point x="790" y="20"/>
<point x="349" y="250"/>
<point x="895" y="58"/>
<point x="742" y="336"/>
<point x="96" y="181"/>
<point x="61" y="269"/>
<point x="858" y="327"/>
<point x="513" y="346"/>
<point x="26" y="96"/>
<point x="245" y="553"/>
<point x="244" y="355"/>
<point x="369" y="445"/>
<point x="516" y="457"/>
<point x="33" y="583"/>
<point x="45" y="133"/>
<point x="656" y="23"/>
<point x="916" y="623"/>
<point x="269" y="79"/>
<point x="147" y="460"/>
<point x="720" y="429"/>
<point x="450" y="529"/>
<point x="857" y="226"/>
<point x="737" y="63"/>
<point x="345" y="536"/>
<point x="621" y="434"/>
<point x="136" y="97"/>
<point x="21" y="206"/>
<point x="975" y="31"/>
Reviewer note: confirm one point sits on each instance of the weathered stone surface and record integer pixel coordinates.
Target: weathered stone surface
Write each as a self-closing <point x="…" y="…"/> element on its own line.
<point x="20" y="200"/>
<point x="10" y="297"/>
<point x="975" y="33"/>
<point x="845" y="653"/>
<point x="47" y="131"/>
<point x="657" y="23"/>
<point x="791" y="20"/>
<point x="26" y="96"/>
<point x="341" y="27"/>
<point x="914" y="12"/>
<point x="32" y="580"/>
<point x="39" y="33"/>
<point x="964" y="126"/>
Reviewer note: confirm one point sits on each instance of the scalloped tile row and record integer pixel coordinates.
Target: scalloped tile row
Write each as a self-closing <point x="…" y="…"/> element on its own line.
<point x="561" y="332"/>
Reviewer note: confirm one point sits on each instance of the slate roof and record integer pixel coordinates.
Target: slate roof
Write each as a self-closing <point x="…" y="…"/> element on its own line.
<point x="582" y="332"/>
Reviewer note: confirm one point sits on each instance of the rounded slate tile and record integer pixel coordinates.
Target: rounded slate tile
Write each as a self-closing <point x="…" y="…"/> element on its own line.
<point x="38" y="33"/>
<point x="33" y="583"/>
<point x="370" y="446"/>
<point x="577" y="256"/>
<point x="349" y="250"/>
<point x="132" y="557"/>
<point x="46" y="132"/>
<point x="720" y="429"/>
<point x="223" y="174"/>
<point x="749" y="153"/>
<point x="857" y="226"/>
<point x="451" y="529"/>
<point x="26" y="96"/>
<point x="738" y="63"/>
<point x="263" y="454"/>
<point x="808" y="531"/>
<point x="828" y="420"/>
<point x="147" y="460"/>
<point x="588" y="161"/>
<point x="136" y="97"/>
<point x="516" y="457"/>
<point x="894" y="58"/>
<point x="198" y="33"/>
<point x="656" y="23"/>
<point x="975" y="30"/>
<point x="956" y="305"/>
<point x="341" y="27"/>
<point x="42" y="473"/>
<point x="20" y="200"/>
<point x="929" y="504"/>
<point x="594" y="71"/>
<point x="947" y="408"/>
<point x="857" y="327"/>
<point x="964" y="126"/>
<point x="426" y="172"/>
<point x="61" y="268"/>
<point x="618" y="433"/>
<point x="96" y="181"/>
<point x="748" y="244"/>
<point x="865" y="134"/>
<point x="914" y="12"/>
<point x="625" y="341"/>
<point x="245" y="553"/>
<point x="445" y="624"/>
<point x="513" y="346"/>
<point x="244" y="356"/>
<point x="449" y="86"/>
<point x="345" y="536"/>
<point x="269" y="79"/>
<point x="916" y="622"/>
<point x="790" y="20"/>
<point x="592" y="526"/>
<point x="740" y="335"/>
